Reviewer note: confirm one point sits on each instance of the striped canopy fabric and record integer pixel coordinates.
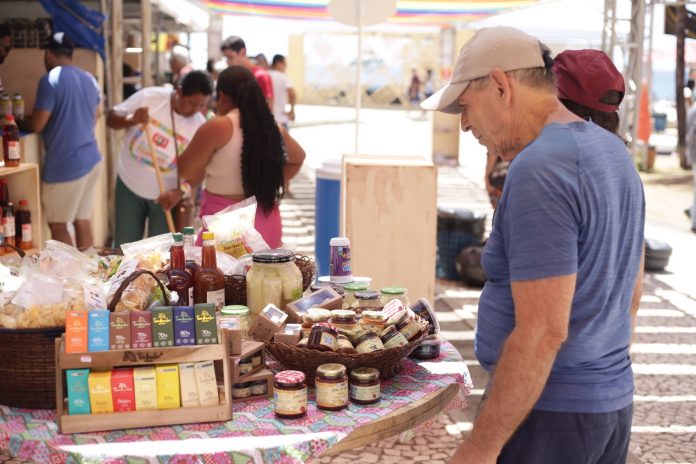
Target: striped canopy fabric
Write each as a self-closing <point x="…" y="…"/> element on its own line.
<point x="424" y="12"/>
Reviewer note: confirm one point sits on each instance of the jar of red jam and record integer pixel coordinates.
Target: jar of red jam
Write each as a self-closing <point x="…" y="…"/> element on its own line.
<point x="364" y="385"/>
<point x="409" y="328"/>
<point x="332" y="387"/>
<point x="368" y="342"/>
<point x="345" y="346"/>
<point x="373" y="320"/>
<point x="309" y="319"/>
<point x="343" y="319"/>
<point x="290" y="394"/>
<point x="323" y="337"/>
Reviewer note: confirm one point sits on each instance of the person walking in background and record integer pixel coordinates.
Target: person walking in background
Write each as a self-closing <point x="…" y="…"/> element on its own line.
<point x="243" y="152"/>
<point x="179" y="63"/>
<point x="172" y="118"/>
<point x="283" y="92"/>
<point x="65" y="114"/>
<point x="429" y="84"/>
<point x="691" y="153"/>
<point x="234" y="49"/>
<point x="414" y="88"/>
<point x="563" y="263"/>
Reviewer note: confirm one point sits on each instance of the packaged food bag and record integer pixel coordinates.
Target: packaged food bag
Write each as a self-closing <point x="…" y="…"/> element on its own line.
<point x="234" y="229"/>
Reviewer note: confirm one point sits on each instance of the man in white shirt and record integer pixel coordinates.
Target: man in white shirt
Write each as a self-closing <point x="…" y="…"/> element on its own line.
<point x="283" y="91"/>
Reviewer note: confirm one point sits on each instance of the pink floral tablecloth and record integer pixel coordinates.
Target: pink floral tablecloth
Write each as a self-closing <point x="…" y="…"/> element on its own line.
<point x="254" y="435"/>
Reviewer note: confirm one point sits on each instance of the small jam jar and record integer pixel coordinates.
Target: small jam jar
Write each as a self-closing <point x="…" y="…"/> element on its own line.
<point x="242" y="314"/>
<point x="364" y="385"/>
<point x="428" y="349"/>
<point x="368" y="342"/>
<point x="241" y="390"/>
<point x="246" y="365"/>
<point x="311" y="318"/>
<point x="374" y="321"/>
<point x="332" y="387"/>
<point x="345" y="346"/>
<point x="349" y="292"/>
<point x="423" y="309"/>
<point x="259" y="387"/>
<point x="290" y="394"/>
<point x="256" y="360"/>
<point x="343" y="319"/>
<point x="409" y="328"/>
<point x="323" y="337"/>
<point x="394" y="293"/>
<point x="367" y="299"/>
<point x="392" y="338"/>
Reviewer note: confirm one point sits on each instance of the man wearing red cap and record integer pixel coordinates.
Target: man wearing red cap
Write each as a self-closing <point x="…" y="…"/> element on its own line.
<point x="563" y="259"/>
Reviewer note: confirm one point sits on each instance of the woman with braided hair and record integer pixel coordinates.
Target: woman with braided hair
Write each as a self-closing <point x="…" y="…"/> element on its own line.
<point x="242" y="152"/>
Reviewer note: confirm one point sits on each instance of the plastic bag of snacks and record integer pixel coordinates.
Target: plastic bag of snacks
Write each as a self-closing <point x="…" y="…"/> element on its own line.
<point x="65" y="262"/>
<point x="234" y="229"/>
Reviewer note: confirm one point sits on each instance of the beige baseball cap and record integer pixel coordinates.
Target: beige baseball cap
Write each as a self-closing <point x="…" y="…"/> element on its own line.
<point x="501" y="47"/>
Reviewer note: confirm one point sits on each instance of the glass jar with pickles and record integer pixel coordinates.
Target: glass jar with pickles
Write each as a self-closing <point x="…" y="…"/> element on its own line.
<point x="349" y="292"/>
<point x="273" y="278"/>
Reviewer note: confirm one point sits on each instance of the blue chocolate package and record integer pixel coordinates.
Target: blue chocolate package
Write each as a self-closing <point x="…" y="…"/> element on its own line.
<point x="184" y="326"/>
<point x="98" y="326"/>
<point x="78" y="391"/>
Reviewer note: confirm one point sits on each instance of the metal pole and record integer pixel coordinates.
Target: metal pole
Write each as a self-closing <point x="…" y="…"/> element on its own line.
<point x="146" y="39"/>
<point x="358" y="72"/>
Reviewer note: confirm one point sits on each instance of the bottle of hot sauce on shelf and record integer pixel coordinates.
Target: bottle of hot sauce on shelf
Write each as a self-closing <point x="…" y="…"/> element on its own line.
<point x="191" y="264"/>
<point x="8" y="223"/>
<point x="180" y="281"/>
<point x="209" y="282"/>
<point x="23" y="226"/>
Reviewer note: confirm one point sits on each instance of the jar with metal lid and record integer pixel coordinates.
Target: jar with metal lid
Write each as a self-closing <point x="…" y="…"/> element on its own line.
<point x="343" y="319"/>
<point x="241" y="390"/>
<point x="349" y="292"/>
<point x="364" y="385"/>
<point x="345" y="346"/>
<point x="409" y="328"/>
<point x="273" y="278"/>
<point x="374" y="321"/>
<point x="394" y="293"/>
<point x="290" y="395"/>
<point x="241" y="312"/>
<point x="428" y="349"/>
<point x="367" y="299"/>
<point x="368" y="342"/>
<point x="323" y="337"/>
<point x="246" y="365"/>
<point x="332" y="387"/>
<point x="392" y="338"/>
<point x="256" y="359"/>
<point x="309" y="319"/>
<point x="259" y="387"/>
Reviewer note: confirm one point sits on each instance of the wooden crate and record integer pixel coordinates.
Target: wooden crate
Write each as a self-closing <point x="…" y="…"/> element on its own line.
<point x="107" y="360"/>
<point x="23" y="184"/>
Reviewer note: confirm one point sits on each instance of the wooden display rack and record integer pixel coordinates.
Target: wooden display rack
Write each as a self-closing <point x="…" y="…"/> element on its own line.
<point x="106" y="360"/>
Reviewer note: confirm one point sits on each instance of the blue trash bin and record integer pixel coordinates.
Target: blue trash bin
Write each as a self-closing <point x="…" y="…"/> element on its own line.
<point x="328" y="209"/>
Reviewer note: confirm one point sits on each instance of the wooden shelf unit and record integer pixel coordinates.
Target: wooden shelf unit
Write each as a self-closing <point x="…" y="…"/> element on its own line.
<point x="107" y="360"/>
<point x="23" y="184"/>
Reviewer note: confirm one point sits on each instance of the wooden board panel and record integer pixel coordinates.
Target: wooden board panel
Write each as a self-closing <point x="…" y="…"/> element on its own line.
<point x="391" y="220"/>
<point x="23" y="184"/>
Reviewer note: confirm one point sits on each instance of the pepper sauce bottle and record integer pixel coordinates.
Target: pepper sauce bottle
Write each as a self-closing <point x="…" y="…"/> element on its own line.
<point x="209" y="282"/>
<point x="180" y="281"/>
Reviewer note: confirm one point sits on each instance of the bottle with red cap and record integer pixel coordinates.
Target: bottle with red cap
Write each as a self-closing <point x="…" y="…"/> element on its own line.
<point x="10" y="142"/>
<point x="23" y="226"/>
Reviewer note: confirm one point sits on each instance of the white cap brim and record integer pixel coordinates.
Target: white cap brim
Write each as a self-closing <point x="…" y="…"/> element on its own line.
<point x="445" y="99"/>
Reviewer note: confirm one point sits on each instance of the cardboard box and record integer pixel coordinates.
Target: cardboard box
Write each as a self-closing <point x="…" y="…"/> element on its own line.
<point x="119" y="331"/>
<point x="207" y="384"/>
<point x="76" y="332"/>
<point x="269" y="321"/>
<point x="230" y="325"/>
<point x="250" y="350"/>
<point x="188" y="385"/>
<point x="168" y="396"/>
<point x="290" y="335"/>
<point x="123" y="390"/>
<point x="326" y="298"/>
<point x="98" y="330"/>
<point x="145" y="383"/>
<point x="141" y="329"/>
<point x="263" y="375"/>
<point x="162" y="326"/>
<point x="184" y="326"/>
<point x="100" y="392"/>
<point x="78" y="391"/>
<point x="206" y="324"/>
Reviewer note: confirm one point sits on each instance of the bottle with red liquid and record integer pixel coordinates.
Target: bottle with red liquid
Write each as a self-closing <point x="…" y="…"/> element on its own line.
<point x="189" y="239"/>
<point x="180" y="281"/>
<point x="8" y="224"/>
<point x="4" y="193"/>
<point x="23" y="226"/>
<point x="10" y="142"/>
<point x="209" y="282"/>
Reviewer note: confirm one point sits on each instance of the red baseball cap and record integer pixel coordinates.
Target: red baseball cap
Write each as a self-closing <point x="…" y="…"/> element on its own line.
<point x="585" y="76"/>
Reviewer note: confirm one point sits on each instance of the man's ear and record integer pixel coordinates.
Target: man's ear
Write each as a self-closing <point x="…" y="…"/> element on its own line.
<point x="502" y="84"/>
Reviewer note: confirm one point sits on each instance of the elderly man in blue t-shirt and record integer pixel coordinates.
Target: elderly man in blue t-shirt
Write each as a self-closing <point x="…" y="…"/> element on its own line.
<point x="65" y="114"/>
<point x="563" y="263"/>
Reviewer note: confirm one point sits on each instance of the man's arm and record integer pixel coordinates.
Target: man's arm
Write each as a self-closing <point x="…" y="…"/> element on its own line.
<point x="637" y="294"/>
<point x="38" y="121"/>
<point x="542" y="314"/>
<point x="120" y="120"/>
<point x="292" y="98"/>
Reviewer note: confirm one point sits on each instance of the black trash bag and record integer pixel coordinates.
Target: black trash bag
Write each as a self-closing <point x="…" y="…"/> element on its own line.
<point x="469" y="266"/>
<point x="657" y="254"/>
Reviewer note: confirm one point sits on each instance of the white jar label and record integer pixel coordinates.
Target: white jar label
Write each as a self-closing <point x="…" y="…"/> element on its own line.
<point x="290" y="402"/>
<point x="9" y="228"/>
<point x="396" y="341"/>
<point x="410" y="330"/>
<point x="13" y="150"/>
<point x="216" y="297"/>
<point x="190" y="292"/>
<point x="329" y="341"/>
<point x="368" y="346"/>
<point x="26" y="232"/>
<point x="364" y="392"/>
<point x="332" y="395"/>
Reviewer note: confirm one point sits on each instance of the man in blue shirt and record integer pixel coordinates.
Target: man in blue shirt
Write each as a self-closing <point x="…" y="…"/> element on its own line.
<point x="65" y="114"/>
<point x="563" y="263"/>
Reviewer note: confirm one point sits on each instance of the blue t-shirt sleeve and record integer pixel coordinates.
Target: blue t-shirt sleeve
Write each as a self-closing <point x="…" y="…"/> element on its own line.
<point x="541" y="224"/>
<point x="45" y="96"/>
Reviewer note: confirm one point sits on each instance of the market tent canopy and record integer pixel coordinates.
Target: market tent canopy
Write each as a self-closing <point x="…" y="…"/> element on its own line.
<point x="408" y="11"/>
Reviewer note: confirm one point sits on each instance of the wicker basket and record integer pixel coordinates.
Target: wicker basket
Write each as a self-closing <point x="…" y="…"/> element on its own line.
<point x="388" y="362"/>
<point x="28" y="369"/>
<point x="307" y="268"/>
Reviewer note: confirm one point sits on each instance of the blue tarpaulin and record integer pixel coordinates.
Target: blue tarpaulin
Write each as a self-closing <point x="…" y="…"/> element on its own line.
<point x="81" y="24"/>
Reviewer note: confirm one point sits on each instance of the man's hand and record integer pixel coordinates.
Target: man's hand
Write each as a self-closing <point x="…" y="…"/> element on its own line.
<point x="169" y="199"/>
<point x="469" y="453"/>
<point x="141" y="116"/>
<point x="291" y="115"/>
